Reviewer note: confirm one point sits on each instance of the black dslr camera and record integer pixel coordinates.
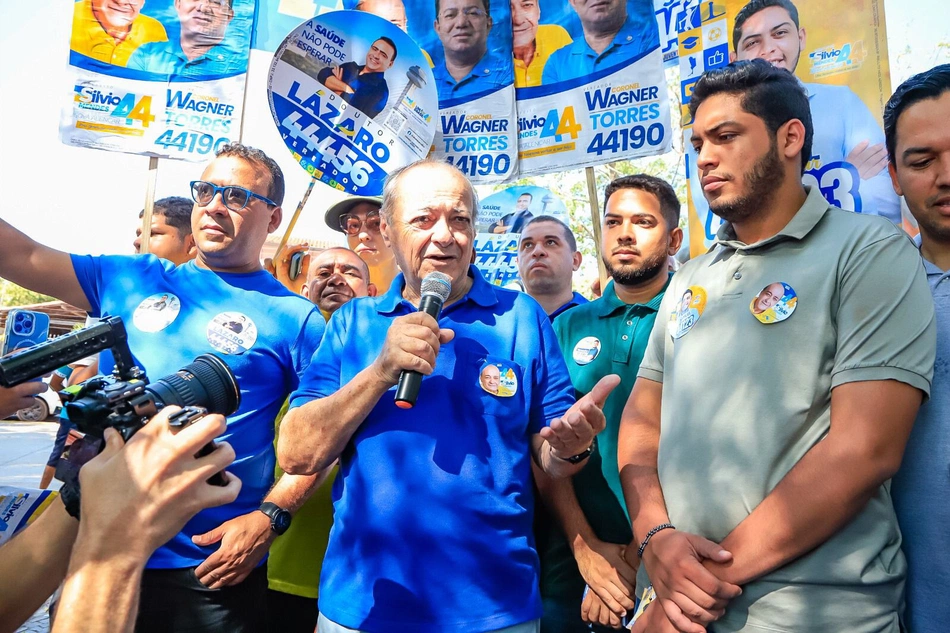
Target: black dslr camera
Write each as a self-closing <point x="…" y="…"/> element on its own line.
<point x="125" y="400"/>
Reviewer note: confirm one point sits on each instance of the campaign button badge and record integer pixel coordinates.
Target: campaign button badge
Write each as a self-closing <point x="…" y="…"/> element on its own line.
<point x="498" y="379"/>
<point x="586" y="350"/>
<point x="156" y="312"/>
<point x="689" y="308"/>
<point x="774" y="303"/>
<point x="232" y="333"/>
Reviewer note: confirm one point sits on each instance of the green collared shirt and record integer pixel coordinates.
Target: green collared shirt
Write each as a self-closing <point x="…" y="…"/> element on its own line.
<point x="747" y="393"/>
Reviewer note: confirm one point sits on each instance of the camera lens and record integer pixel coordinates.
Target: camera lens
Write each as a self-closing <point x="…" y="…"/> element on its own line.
<point x="207" y="382"/>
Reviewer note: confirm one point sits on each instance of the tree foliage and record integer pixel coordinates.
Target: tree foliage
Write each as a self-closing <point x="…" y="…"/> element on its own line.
<point x="12" y="295"/>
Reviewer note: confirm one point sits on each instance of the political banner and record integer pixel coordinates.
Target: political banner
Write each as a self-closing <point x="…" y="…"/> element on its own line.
<point x="841" y="60"/>
<point x="468" y="46"/>
<point x="501" y="218"/>
<point x="19" y="507"/>
<point x="353" y="98"/>
<point x="165" y="79"/>
<point x="593" y="88"/>
<point x="669" y="16"/>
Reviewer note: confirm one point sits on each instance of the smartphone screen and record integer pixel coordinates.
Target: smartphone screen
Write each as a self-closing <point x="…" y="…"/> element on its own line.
<point x="296" y="263"/>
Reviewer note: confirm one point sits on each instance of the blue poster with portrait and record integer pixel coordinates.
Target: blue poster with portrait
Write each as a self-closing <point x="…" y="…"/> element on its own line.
<point x="467" y="44"/>
<point x="163" y="79"/>
<point x="353" y="98"/>
<point x="590" y="83"/>
<point x="501" y="218"/>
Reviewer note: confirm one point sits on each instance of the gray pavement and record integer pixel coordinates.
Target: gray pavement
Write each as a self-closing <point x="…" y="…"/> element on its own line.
<point x="24" y="449"/>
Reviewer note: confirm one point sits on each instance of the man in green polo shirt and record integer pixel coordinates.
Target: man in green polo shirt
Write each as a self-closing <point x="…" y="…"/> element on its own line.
<point x="607" y="336"/>
<point x="768" y="438"/>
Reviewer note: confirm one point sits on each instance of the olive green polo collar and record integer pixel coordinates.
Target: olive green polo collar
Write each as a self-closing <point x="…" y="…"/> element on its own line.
<point x="801" y="224"/>
<point x="609" y="303"/>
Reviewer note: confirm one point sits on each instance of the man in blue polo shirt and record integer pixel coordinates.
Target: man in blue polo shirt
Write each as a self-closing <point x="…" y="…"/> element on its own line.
<point x="613" y="38"/>
<point x="363" y="87"/>
<point x="210" y="576"/>
<point x="200" y="52"/>
<point x="433" y="505"/>
<point x="609" y="335"/>
<point x="468" y="69"/>
<point x="547" y="260"/>
<point x="918" y="144"/>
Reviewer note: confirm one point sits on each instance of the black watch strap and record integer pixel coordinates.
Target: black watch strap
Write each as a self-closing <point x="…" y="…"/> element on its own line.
<point x="576" y="459"/>
<point x="279" y="518"/>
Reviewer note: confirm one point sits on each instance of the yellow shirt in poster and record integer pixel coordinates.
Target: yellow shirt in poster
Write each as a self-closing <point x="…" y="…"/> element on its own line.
<point x="90" y="39"/>
<point x="548" y="39"/>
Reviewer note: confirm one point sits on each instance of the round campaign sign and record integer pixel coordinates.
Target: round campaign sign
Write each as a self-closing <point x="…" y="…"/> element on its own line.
<point x="502" y="217"/>
<point x="353" y="98"/>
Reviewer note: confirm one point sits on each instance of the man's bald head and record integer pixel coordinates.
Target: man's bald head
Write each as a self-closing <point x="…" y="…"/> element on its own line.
<point x="336" y="277"/>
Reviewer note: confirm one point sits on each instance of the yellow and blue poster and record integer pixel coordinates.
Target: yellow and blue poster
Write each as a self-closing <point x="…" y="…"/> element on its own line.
<point x="166" y="79"/>
<point x="353" y="99"/>
<point x="590" y="84"/>
<point x="841" y="59"/>
<point x="501" y="218"/>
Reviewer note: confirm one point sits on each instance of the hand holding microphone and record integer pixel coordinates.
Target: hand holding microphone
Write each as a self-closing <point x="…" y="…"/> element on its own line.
<point x="413" y="341"/>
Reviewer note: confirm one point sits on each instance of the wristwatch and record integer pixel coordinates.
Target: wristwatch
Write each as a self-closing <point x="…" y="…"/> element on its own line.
<point x="576" y="459"/>
<point x="279" y="518"/>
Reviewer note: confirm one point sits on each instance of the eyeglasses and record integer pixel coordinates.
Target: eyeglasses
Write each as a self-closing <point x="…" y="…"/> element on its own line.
<point x="353" y="225"/>
<point x="234" y="198"/>
<point x="470" y="12"/>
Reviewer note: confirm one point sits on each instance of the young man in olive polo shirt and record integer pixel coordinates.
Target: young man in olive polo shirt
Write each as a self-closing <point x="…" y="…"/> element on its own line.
<point x="768" y="438"/>
<point x="606" y="336"/>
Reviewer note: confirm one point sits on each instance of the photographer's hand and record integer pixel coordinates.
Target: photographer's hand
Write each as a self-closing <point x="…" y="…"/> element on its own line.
<point x="135" y="496"/>
<point x="19" y="397"/>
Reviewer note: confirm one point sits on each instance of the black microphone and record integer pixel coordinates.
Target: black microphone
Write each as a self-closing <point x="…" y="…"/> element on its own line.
<point x="435" y="291"/>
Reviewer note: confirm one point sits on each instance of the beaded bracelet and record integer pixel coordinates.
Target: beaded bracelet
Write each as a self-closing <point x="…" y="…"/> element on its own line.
<point x="659" y="528"/>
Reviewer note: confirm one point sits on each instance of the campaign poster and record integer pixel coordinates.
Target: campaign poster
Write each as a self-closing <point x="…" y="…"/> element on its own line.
<point x="468" y="46"/>
<point x="353" y="99"/>
<point x="163" y="79"/>
<point x="593" y="88"/>
<point x="501" y="218"/>
<point x="840" y="58"/>
<point x="669" y="15"/>
<point x="19" y="507"/>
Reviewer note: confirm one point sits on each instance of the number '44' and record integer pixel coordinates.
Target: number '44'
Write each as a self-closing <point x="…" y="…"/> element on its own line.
<point x="132" y="111"/>
<point x="556" y="126"/>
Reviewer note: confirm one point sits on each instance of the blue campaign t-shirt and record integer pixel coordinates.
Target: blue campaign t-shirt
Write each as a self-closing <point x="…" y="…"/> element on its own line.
<point x="265" y="334"/>
<point x="433" y="505"/>
<point x="637" y="36"/>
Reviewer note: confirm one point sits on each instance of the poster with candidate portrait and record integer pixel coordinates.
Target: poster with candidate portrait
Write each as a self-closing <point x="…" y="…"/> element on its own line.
<point x="468" y="46"/>
<point x="841" y="60"/>
<point x="501" y="219"/>
<point x="590" y="83"/>
<point x="353" y="99"/>
<point x="163" y="77"/>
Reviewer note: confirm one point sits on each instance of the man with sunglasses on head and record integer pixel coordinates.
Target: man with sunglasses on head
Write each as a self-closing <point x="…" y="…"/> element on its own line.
<point x="210" y="576"/>
<point x="358" y="219"/>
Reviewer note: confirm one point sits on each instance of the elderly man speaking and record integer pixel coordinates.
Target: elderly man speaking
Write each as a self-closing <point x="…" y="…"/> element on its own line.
<point x="433" y="505"/>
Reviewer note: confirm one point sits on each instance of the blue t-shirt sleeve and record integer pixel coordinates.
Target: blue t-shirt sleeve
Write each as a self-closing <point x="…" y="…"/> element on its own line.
<point x="323" y="74"/>
<point x="89" y="274"/>
<point x="322" y="375"/>
<point x="553" y="394"/>
<point x="306" y="345"/>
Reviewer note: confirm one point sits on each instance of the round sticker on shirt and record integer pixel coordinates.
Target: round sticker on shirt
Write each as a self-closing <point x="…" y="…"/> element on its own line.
<point x="498" y="379"/>
<point x="688" y="310"/>
<point x="775" y="303"/>
<point x="586" y="350"/>
<point x="156" y="312"/>
<point x="232" y="333"/>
